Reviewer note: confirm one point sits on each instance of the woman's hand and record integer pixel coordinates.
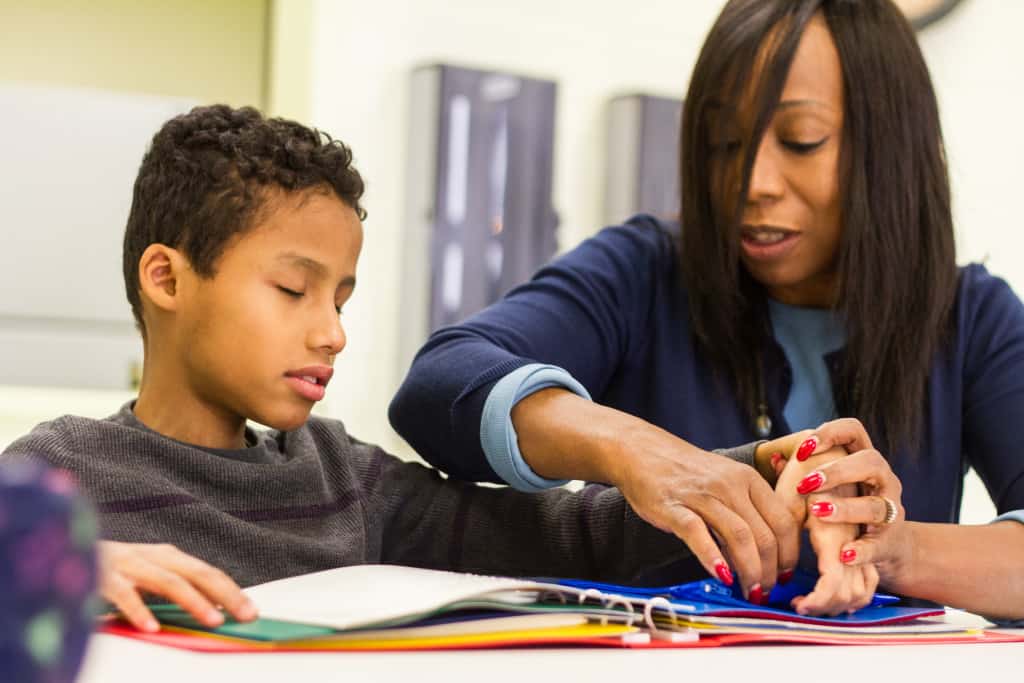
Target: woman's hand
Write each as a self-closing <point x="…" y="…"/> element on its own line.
<point x="163" y="570"/>
<point x="840" y="587"/>
<point x="670" y="483"/>
<point x="701" y="497"/>
<point x="886" y="542"/>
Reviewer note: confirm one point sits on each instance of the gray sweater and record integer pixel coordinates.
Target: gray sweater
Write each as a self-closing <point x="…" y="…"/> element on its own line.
<point x="316" y="498"/>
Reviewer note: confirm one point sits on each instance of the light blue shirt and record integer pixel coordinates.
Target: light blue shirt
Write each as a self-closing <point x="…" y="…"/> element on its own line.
<point x="807" y="335"/>
<point x="497" y="434"/>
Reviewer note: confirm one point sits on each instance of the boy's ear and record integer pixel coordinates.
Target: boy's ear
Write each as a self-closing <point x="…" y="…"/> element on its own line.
<point x="161" y="269"/>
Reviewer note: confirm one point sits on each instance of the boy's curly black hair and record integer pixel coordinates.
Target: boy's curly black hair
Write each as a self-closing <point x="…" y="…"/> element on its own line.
<point x="205" y="176"/>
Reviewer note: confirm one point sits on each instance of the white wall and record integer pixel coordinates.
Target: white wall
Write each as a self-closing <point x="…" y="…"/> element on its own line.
<point x="363" y="54"/>
<point x="977" y="59"/>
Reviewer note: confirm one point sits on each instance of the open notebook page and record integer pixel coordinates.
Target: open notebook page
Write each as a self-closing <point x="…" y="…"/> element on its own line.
<point x="368" y="595"/>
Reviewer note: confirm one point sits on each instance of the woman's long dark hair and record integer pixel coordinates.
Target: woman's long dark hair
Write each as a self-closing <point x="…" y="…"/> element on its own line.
<point x="896" y="261"/>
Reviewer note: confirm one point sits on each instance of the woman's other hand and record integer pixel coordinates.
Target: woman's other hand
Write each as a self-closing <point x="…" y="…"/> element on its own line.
<point x="886" y="542"/>
<point x="127" y="569"/>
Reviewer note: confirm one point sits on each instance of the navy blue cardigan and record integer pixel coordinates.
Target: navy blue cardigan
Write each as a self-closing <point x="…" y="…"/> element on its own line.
<point x="612" y="312"/>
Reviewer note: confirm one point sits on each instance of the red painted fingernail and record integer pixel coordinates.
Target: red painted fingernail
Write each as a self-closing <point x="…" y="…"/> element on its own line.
<point x="723" y="571"/>
<point x="756" y="594"/>
<point x="848" y="555"/>
<point x="806" y="448"/>
<point x="786" y="576"/>
<point x="812" y="482"/>
<point x="776" y="457"/>
<point x="822" y="508"/>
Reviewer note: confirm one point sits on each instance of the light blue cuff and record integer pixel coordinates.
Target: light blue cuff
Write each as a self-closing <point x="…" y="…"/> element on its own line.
<point x="1015" y="516"/>
<point x="498" y="436"/>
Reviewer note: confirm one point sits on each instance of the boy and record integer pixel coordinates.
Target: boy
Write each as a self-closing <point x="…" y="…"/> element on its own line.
<point x="239" y="253"/>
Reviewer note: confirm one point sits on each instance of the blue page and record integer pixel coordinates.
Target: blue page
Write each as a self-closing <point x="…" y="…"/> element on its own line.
<point x="710" y="597"/>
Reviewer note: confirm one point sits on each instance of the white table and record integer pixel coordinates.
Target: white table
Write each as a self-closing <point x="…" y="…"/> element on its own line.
<point x="112" y="659"/>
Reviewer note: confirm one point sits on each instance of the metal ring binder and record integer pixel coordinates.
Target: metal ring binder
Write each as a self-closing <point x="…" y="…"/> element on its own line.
<point x="661" y="602"/>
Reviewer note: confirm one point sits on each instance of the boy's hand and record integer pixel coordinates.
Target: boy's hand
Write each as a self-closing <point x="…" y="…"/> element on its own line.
<point x="840" y="587"/>
<point x="162" y="569"/>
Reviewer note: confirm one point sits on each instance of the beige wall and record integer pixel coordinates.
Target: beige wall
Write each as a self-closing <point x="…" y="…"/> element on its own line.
<point x="205" y="50"/>
<point x="208" y="50"/>
<point x="290" y="73"/>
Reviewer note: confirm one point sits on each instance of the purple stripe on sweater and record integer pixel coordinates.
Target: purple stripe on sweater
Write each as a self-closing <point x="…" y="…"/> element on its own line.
<point x="145" y="503"/>
<point x="295" y="511"/>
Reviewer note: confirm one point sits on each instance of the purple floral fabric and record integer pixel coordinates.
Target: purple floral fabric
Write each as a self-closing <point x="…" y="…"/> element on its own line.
<point x="47" y="574"/>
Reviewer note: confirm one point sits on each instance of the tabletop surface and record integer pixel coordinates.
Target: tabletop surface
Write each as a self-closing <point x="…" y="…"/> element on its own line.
<point x="112" y="659"/>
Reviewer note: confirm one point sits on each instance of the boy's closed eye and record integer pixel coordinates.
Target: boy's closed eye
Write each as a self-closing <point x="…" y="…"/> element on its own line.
<point x="295" y="294"/>
<point x="291" y="292"/>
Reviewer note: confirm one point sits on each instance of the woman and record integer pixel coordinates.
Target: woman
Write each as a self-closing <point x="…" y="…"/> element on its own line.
<point x="813" y="276"/>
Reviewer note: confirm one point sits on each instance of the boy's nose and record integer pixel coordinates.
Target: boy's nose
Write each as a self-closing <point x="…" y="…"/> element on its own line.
<point x="331" y="336"/>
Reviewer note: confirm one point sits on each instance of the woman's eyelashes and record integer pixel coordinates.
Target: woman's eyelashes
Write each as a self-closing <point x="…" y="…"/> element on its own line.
<point x="730" y="147"/>
<point x="803" y="147"/>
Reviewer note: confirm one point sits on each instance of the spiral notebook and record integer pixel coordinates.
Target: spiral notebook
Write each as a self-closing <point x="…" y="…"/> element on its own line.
<point x="375" y="596"/>
<point x="390" y="607"/>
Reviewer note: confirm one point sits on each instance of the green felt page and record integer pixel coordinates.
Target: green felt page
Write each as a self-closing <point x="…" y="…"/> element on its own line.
<point x="267" y="630"/>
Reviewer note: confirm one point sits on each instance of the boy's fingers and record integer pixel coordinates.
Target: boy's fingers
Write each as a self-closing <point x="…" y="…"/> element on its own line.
<point x="871" y="580"/>
<point x="868" y="584"/>
<point x="213" y="583"/>
<point x="819" y="600"/>
<point x="167" y="584"/>
<point x="123" y="595"/>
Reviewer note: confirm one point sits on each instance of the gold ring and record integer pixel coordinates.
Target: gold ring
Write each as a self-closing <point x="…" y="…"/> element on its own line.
<point x="891" y="511"/>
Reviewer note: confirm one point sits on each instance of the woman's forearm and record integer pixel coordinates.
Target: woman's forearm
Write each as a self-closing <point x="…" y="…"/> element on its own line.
<point x="672" y="484"/>
<point x="564" y="436"/>
<point x="976" y="568"/>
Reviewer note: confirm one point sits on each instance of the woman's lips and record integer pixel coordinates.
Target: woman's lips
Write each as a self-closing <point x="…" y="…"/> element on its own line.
<point x="767" y="243"/>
